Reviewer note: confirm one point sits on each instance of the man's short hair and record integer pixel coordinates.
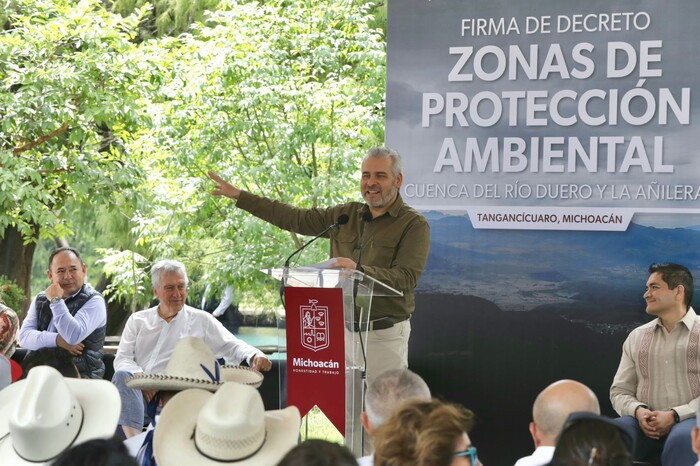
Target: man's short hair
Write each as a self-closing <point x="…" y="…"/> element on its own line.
<point x="389" y="390"/>
<point x="385" y="152"/>
<point x="166" y="266"/>
<point x="64" y="249"/>
<point x="674" y="275"/>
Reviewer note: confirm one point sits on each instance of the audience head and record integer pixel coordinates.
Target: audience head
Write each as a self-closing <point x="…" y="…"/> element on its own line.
<point x="387" y="391"/>
<point x="675" y="275"/>
<point x="230" y="425"/>
<point x="58" y="358"/>
<point x="66" y="267"/>
<point x="47" y="414"/>
<point x="316" y="452"/>
<point x="554" y="405"/>
<point x="430" y="433"/>
<point x="592" y="440"/>
<point x="97" y="452"/>
<point x="9" y="326"/>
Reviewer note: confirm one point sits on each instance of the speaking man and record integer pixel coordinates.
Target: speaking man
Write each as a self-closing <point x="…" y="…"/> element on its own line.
<point x="384" y="238"/>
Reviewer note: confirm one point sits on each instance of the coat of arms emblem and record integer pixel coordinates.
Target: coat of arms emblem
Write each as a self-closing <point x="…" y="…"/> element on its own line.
<point x="314" y="326"/>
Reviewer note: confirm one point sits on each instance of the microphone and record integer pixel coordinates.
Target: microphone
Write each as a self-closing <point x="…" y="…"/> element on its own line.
<point x="342" y="220"/>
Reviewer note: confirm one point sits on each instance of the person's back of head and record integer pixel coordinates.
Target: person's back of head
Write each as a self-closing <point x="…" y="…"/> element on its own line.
<point x="58" y="358"/>
<point x="316" y="452"/>
<point x="389" y="390"/>
<point x="422" y="432"/>
<point x="592" y="440"/>
<point x="554" y="405"/>
<point x="98" y="452"/>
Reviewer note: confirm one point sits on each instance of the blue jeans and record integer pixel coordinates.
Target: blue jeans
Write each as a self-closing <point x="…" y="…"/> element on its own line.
<point x="675" y="448"/>
<point x="133" y="404"/>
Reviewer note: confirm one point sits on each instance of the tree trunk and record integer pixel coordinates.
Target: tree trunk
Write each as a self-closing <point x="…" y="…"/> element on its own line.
<point x="16" y="262"/>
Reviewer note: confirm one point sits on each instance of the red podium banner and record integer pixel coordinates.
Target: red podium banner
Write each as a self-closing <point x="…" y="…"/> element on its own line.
<point x="316" y="351"/>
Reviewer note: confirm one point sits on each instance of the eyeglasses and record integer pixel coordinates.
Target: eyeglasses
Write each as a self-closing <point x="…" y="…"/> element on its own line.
<point x="470" y="452"/>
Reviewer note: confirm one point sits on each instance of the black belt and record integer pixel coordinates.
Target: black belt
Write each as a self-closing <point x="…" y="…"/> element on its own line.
<point x="379" y="324"/>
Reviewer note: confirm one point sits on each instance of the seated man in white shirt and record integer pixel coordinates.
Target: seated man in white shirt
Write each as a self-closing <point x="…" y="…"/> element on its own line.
<point x="150" y="336"/>
<point x="549" y="413"/>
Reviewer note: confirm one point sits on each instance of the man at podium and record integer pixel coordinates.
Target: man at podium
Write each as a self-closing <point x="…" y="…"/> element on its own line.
<point x="382" y="237"/>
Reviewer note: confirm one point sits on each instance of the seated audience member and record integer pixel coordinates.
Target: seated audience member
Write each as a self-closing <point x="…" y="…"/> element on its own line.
<point x="46" y="414"/>
<point x="192" y="365"/>
<point x="655" y="389"/>
<point x="589" y="439"/>
<point x="9" y="328"/>
<point x="58" y="358"/>
<point x="69" y="314"/>
<point x="316" y="452"/>
<point x="229" y="426"/>
<point x="97" y="452"/>
<point x="384" y="394"/>
<point x="150" y="336"/>
<point x="549" y="412"/>
<point x="426" y="433"/>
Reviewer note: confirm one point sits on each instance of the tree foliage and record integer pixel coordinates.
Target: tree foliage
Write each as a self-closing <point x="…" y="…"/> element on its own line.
<point x="281" y="97"/>
<point x="70" y="91"/>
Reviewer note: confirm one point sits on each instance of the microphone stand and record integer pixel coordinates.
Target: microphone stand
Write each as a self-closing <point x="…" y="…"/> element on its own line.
<point x="342" y="220"/>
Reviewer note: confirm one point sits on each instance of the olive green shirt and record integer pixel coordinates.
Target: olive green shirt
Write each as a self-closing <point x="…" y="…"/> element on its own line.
<point x="392" y="249"/>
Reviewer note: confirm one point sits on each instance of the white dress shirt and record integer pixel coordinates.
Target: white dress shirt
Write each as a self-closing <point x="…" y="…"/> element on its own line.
<point x="541" y="456"/>
<point x="148" y="341"/>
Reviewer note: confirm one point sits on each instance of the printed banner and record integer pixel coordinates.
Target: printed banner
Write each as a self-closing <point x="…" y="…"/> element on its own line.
<point x="562" y="104"/>
<point x="316" y="351"/>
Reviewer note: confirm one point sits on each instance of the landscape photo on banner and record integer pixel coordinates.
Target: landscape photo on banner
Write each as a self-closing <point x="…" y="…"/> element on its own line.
<point x="551" y="146"/>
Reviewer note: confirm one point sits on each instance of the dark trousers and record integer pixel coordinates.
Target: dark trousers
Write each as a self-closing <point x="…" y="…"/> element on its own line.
<point x="675" y="448"/>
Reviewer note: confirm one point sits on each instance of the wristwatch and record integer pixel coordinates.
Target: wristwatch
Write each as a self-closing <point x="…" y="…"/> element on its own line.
<point x="55" y="299"/>
<point x="676" y="417"/>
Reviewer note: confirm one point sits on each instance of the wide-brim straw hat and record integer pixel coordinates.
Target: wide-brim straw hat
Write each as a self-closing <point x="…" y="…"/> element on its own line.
<point x="193" y="365"/>
<point x="229" y="426"/>
<point x="46" y="414"/>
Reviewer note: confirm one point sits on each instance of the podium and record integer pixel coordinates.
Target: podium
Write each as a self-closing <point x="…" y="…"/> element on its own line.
<point x="355" y="291"/>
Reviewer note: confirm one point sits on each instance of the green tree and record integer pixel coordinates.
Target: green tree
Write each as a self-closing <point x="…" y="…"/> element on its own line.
<point x="71" y="83"/>
<point x="281" y="97"/>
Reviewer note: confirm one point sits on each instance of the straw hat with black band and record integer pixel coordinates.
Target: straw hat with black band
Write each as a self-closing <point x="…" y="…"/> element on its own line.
<point x="229" y="426"/>
<point x="46" y="414"/>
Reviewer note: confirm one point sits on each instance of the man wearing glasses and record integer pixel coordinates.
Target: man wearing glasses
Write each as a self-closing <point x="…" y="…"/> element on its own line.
<point x="150" y="336"/>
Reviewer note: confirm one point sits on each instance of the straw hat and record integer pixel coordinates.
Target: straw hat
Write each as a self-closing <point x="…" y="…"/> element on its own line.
<point x="193" y="365"/>
<point x="46" y="414"/>
<point x="229" y="426"/>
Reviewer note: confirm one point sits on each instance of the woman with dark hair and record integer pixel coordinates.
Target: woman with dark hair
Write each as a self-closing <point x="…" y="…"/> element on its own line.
<point x="588" y="439"/>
